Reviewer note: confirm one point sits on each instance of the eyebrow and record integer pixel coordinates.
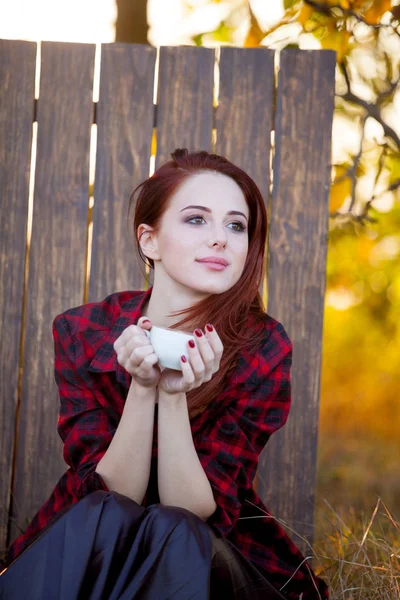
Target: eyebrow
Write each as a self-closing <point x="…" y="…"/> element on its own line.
<point x="231" y="212"/>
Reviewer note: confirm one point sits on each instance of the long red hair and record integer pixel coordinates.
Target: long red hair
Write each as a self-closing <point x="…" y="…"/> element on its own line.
<point x="232" y="311"/>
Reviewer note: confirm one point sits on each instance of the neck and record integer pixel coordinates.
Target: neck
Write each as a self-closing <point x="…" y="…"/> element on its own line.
<point x="164" y="301"/>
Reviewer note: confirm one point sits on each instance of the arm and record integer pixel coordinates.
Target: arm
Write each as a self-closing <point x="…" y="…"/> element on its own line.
<point x="226" y="448"/>
<point x="91" y="432"/>
<point x="181" y="477"/>
<point x="125" y="467"/>
<point x="229" y="445"/>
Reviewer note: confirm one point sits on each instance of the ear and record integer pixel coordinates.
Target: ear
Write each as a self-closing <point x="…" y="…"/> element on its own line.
<point x="148" y="241"/>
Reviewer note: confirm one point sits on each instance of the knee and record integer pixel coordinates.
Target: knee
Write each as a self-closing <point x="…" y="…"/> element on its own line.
<point x="111" y="496"/>
<point x="181" y="527"/>
<point x="123" y="510"/>
<point x="176" y="515"/>
<point x="115" y="506"/>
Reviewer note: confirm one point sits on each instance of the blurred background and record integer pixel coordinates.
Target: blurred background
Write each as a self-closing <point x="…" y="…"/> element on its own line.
<point x="359" y="441"/>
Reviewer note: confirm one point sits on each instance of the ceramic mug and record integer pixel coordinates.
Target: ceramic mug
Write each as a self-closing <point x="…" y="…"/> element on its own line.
<point x="169" y="346"/>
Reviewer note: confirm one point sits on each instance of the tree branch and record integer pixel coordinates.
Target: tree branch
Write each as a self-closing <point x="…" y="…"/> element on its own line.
<point x="373" y="110"/>
<point x="327" y="10"/>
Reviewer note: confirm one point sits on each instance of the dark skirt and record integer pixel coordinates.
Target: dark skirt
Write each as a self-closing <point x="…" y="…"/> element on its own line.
<point x="108" y="547"/>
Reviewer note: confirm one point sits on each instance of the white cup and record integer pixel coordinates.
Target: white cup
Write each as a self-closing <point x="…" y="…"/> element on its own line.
<point x="169" y="346"/>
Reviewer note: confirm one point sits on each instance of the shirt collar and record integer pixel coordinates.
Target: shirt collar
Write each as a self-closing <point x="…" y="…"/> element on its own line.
<point x="105" y="358"/>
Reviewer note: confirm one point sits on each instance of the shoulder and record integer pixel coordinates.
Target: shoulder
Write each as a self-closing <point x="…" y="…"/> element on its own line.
<point x="102" y="315"/>
<point x="275" y="349"/>
<point x="276" y="342"/>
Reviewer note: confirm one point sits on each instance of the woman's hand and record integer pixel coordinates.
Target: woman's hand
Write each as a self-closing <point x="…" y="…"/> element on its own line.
<point x="204" y="360"/>
<point x="136" y="354"/>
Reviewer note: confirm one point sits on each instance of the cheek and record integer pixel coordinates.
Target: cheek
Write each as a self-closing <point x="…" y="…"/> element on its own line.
<point x="176" y="244"/>
<point x="242" y="252"/>
<point x="242" y="263"/>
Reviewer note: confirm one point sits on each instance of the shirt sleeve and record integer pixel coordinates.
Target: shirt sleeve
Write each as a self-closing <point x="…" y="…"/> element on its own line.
<point x="83" y="424"/>
<point x="229" y="447"/>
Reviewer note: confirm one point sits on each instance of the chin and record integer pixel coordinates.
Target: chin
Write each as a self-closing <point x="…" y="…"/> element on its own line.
<point x="213" y="283"/>
<point x="211" y="287"/>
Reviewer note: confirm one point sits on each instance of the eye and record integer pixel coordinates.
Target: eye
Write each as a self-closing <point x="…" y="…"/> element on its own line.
<point x="240" y="225"/>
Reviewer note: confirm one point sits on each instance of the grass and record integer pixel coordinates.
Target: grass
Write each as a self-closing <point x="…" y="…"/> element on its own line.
<point x="358" y="554"/>
<point x="357" y="535"/>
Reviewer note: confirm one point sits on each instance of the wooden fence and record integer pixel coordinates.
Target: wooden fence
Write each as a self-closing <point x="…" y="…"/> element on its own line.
<point x="60" y="248"/>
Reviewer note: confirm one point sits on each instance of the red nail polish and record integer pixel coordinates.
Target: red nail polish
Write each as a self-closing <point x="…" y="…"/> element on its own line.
<point x="183" y="358"/>
<point x="146" y="321"/>
<point x="192" y="344"/>
<point x="198" y="332"/>
<point x="209" y="327"/>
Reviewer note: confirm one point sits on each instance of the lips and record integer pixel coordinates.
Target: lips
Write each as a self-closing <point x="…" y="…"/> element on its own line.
<point x="215" y="260"/>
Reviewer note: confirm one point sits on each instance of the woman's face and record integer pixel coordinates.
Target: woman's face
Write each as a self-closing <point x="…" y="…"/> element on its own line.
<point x="187" y="235"/>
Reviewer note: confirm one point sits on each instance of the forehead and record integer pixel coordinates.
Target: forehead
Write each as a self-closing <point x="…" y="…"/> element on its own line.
<point x="212" y="189"/>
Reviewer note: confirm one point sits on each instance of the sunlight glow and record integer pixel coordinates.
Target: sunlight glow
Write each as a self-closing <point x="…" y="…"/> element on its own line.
<point x="52" y="20"/>
<point x="341" y="298"/>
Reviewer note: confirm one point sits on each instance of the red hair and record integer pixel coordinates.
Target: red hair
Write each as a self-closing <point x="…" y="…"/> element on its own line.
<point x="238" y="314"/>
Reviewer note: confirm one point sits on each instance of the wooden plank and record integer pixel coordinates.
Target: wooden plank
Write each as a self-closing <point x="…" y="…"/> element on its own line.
<point x="298" y="241"/>
<point x="184" y="102"/>
<point x="17" y="93"/>
<point x="57" y="261"/>
<point x="125" y="116"/>
<point x="245" y="111"/>
<point x="244" y="116"/>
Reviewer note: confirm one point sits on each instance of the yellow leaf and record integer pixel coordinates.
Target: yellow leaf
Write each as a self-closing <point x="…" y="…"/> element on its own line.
<point x="338" y="194"/>
<point x="378" y="8"/>
<point x="346" y="4"/>
<point x="305" y="14"/>
<point x="337" y="40"/>
<point x="253" y="38"/>
<point x="358" y="4"/>
<point x="255" y="34"/>
<point x="392" y="163"/>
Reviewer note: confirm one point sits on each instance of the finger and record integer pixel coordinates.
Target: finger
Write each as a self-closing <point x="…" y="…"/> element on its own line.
<point x="132" y="336"/>
<point x="215" y="342"/>
<point x="196" y="361"/>
<point x="144" y="323"/>
<point x="187" y="373"/>
<point x="206" y="351"/>
<point x="125" y="336"/>
<point x="137" y="341"/>
<point x="138" y="354"/>
<point x="148" y="362"/>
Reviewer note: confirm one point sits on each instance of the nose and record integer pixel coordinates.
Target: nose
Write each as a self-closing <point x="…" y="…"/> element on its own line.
<point x="218" y="237"/>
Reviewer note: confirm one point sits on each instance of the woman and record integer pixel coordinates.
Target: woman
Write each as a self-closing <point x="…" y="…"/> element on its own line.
<point x="158" y="500"/>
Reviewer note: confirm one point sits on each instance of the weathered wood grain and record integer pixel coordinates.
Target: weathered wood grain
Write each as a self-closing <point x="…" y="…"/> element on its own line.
<point x="125" y="116"/>
<point x="56" y="264"/>
<point x="17" y="93"/>
<point x="298" y="240"/>
<point x="245" y="117"/>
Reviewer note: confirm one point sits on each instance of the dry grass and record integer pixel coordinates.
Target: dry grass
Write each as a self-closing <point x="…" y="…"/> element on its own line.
<point x="358" y="555"/>
<point x="357" y="537"/>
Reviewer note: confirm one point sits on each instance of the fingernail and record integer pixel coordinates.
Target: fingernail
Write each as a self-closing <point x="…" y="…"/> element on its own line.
<point x="198" y="332"/>
<point x="192" y="344"/>
<point x="209" y="327"/>
<point x="146" y="321"/>
<point x="183" y="359"/>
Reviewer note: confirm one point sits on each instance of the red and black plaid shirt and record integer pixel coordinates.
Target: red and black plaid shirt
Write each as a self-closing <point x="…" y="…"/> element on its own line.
<point x="228" y="436"/>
